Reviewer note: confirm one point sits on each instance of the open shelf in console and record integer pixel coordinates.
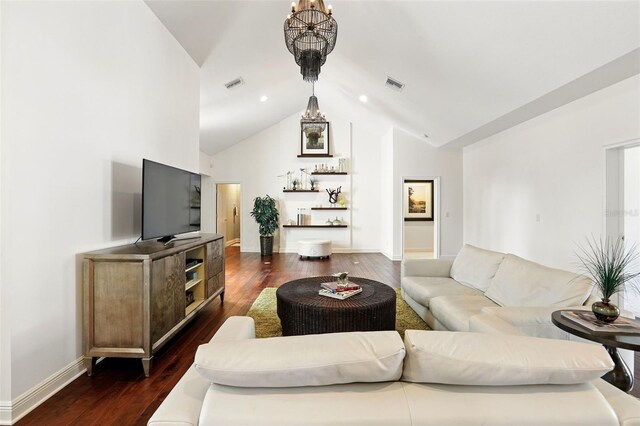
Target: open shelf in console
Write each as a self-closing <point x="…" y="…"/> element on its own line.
<point x="194" y="289"/>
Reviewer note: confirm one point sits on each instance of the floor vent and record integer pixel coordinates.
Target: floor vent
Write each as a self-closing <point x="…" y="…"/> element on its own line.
<point x="394" y="84"/>
<point x="234" y="83"/>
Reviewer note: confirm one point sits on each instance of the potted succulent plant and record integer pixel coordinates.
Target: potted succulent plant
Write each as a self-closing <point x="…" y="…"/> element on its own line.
<point x="265" y="213"/>
<point x="607" y="263"/>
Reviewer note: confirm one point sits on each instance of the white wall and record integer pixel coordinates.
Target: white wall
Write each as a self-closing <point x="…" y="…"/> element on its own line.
<point x="386" y="194"/>
<point x="5" y="331"/>
<point x="257" y="162"/>
<point x="537" y="189"/>
<point x="419" y="236"/>
<point x="413" y="157"/>
<point x="89" y="89"/>
<point x="208" y="192"/>
<point x="377" y="164"/>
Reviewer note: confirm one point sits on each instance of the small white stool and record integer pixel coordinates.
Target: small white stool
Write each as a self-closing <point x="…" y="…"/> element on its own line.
<point x="314" y="248"/>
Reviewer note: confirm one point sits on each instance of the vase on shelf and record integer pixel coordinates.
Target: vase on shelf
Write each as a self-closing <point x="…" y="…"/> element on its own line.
<point x="605" y="311"/>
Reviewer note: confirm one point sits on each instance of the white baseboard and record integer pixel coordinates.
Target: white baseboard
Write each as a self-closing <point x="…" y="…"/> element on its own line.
<point x="391" y="256"/>
<point x="11" y="412"/>
<point x="355" y="250"/>
<point x="5" y="412"/>
<point x="333" y="249"/>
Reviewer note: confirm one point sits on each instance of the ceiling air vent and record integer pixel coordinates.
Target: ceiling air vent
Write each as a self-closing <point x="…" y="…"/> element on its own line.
<point x="234" y="83"/>
<point x="394" y="84"/>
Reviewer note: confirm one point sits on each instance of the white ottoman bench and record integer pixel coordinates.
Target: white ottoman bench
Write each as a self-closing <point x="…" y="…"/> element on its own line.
<point x="314" y="248"/>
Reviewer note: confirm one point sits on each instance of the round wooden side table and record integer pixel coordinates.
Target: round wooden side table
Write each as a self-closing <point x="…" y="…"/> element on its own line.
<point x="303" y="311"/>
<point x="620" y="376"/>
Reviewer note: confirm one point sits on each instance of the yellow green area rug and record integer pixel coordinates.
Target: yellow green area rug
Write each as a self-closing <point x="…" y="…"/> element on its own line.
<point x="263" y="311"/>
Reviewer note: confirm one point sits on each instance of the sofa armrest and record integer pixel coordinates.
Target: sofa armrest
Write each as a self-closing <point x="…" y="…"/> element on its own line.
<point x="426" y="267"/>
<point x="532" y="321"/>
<point x="626" y="407"/>
<point x="183" y="404"/>
<point x="236" y="328"/>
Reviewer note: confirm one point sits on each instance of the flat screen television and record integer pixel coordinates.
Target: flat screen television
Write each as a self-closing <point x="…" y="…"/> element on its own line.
<point x="170" y="201"/>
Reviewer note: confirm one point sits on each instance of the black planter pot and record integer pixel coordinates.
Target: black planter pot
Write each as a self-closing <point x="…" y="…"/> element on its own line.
<point x="266" y="245"/>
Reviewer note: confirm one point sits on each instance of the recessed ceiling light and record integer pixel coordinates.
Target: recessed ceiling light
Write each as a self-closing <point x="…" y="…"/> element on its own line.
<point x="263" y="98"/>
<point x="363" y="98"/>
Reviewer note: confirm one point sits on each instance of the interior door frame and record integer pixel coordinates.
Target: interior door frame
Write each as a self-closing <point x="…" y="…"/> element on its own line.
<point x="436" y="213"/>
<point x="216" y="205"/>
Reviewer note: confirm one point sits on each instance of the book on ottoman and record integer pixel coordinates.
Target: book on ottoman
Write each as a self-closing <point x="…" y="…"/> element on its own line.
<point x="341" y="295"/>
<point x="333" y="286"/>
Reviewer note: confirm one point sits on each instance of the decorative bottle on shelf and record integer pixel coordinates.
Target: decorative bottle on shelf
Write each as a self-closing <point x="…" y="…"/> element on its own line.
<point x="341" y="165"/>
<point x="300" y="218"/>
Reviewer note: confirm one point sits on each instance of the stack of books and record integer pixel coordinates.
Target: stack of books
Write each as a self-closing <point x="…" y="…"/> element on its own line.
<point x="331" y="290"/>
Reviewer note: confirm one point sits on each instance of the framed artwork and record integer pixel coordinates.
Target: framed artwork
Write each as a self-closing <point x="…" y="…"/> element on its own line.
<point x="314" y="138"/>
<point x="417" y="200"/>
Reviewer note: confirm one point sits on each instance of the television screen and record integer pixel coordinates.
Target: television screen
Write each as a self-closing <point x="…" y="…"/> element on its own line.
<point x="170" y="201"/>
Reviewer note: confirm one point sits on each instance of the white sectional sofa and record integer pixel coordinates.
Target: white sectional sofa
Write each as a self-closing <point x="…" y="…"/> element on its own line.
<point x="374" y="378"/>
<point x="491" y="292"/>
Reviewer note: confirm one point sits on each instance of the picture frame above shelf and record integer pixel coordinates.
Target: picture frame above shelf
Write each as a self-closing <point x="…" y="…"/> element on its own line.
<point x="314" y="138"/>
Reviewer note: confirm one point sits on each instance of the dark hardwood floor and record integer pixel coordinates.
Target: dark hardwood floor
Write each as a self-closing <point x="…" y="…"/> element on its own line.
<point x="119" y="394"/>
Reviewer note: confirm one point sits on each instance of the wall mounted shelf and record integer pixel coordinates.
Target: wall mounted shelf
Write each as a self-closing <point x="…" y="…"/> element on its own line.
<point x="328" y="173"/>
<point x="314" y="226"/>
<point x="328" y="208"/>
<point x="300" y="190"/>
<point x="315" y="155"/>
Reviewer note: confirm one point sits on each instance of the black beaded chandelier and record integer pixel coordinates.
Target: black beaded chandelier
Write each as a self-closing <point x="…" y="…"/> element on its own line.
<point x="310" y="33"/>
<point x="312" y="113"/>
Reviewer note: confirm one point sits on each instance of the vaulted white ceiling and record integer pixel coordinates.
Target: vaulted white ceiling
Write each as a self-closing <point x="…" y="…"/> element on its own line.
<point x="471" y="69"/>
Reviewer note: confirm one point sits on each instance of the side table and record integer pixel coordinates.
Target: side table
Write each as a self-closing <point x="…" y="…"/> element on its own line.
<point x="620" y="376"/>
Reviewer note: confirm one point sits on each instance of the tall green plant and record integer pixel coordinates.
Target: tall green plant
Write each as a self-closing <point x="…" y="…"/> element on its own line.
<point x="607" y="263"/>
<point x="265" y="213"/>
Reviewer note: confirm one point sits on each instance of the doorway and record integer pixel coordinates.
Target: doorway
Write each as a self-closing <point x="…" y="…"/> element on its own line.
<point x="622" y="198"/>
<point x="228" y="212"/>
<point x="420" y="217"/>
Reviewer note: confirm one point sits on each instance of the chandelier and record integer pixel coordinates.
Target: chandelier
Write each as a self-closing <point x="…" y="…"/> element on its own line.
<point x="313" y="121"/>
<point x="312" y="113"/>
<point x="310" y="33"/>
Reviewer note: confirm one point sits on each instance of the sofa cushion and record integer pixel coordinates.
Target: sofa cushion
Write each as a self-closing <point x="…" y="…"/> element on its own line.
<point x="520" y="282"/>
<point x="475" y="267"/>
<point x="423" y="289"/>
<point x="364" y="404"/>
<point x="490" y="359"/>
<point x="548" y="405"/>
<point x="454" y="312"/>
<point x="312" y="360"/>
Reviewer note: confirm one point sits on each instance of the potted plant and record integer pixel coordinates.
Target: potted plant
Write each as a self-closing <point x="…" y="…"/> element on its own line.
<point x="265" y="213"/>
<point x="607" y="263"/>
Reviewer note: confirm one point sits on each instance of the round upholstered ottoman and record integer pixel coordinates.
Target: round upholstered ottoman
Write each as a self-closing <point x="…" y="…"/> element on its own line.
<point x="314" y="248"/>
